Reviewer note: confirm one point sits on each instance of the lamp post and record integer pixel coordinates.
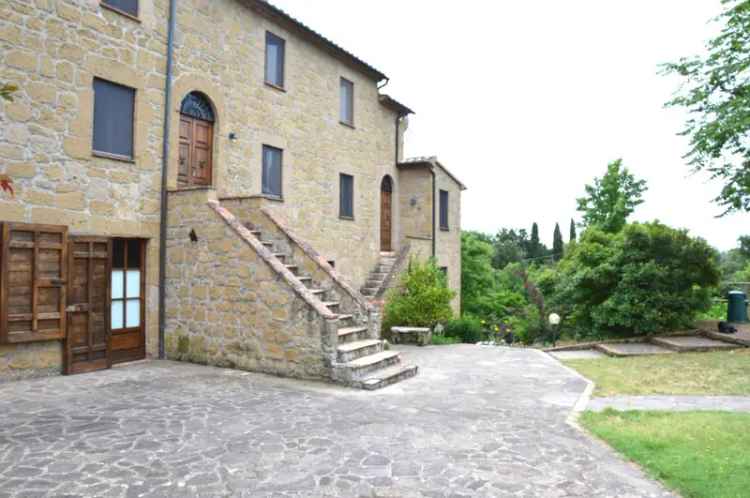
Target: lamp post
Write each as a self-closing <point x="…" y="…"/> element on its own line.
<point x="554" y="321"/>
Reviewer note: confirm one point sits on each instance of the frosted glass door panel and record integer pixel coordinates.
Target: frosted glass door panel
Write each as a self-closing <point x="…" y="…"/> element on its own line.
<point x="134" y="313"/>
<point x="117" y="284"/>
<point x="134" y="283"/>
<point x="117" y="315"/>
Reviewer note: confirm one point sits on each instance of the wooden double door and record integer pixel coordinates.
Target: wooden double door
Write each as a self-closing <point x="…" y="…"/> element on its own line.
<point x="105" y="311"/>
<point x="386" y="215"/>
<point x="196" y="151"/>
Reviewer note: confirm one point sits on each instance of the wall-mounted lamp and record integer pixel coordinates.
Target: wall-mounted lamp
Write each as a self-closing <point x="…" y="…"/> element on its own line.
<point x="413" y="201"/>
<point x="232" y="136"/>
<point x="193" y="236"/>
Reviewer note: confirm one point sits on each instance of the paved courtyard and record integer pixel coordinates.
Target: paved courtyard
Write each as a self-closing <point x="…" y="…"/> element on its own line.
<point x="476" y="422"/>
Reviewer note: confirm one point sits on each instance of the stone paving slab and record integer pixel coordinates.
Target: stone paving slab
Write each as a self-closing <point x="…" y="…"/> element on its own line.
<point x="583" y="354"/>
<point x="476" y="422"/>
<point x="672" y="403"/>
<point x="692" y="343"/>
<point x="632" y="349"/>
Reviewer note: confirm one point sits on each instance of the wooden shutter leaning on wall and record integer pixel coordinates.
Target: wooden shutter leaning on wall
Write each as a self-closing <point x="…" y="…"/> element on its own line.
<point x="33" y="274"/>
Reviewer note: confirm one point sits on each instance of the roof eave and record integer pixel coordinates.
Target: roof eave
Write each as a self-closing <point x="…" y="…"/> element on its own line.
<point x="274" y="13"/>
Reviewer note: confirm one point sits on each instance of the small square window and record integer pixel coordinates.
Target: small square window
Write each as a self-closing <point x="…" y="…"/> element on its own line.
<point x="114" y="109"/>
<point x="272" y="163"/>
<point x="275" y="54"/>
<point x="346" y="196"/>
<point x="347" y="102"/>
<point x="444" y="210"/>
<point x="129" y="7"/>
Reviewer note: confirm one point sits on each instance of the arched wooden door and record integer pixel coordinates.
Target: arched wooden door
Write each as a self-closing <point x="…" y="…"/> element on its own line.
<point x="196" y="141"/>
<point x="386" y="214"/>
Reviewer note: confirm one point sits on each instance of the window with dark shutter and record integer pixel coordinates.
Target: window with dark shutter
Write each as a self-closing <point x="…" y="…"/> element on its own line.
<point x="129" y="7"/>
<point x="272" y="160"/>
<point x="275" y="54"/>
<point x="346" y="196"/>
<point x="444" y="210"/>
<point x="113" y="119"/>
<point x="347" y="102"/>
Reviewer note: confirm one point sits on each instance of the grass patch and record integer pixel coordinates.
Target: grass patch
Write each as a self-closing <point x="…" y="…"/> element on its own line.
<point x="442" y="340"/>
<point x="699" y="454"/>
<point x="720" y="373"/>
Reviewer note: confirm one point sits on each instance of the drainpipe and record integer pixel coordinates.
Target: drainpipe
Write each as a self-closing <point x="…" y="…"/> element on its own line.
<point x="164" y="169"/>
<point x="434" y="232"/>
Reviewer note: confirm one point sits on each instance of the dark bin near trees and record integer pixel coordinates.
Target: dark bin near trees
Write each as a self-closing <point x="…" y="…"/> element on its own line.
<point x="737" y="309"/>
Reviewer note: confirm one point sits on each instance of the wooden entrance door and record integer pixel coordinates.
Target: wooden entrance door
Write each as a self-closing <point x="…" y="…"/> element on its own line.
<point x="88" y="343"/>
<point x="196" y="151"/>
<point x="386" y="191"/>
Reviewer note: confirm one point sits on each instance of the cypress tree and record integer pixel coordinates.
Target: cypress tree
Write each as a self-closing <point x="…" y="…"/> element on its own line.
<point x="573" y="235"/>
<point x="557" y="243"/>
<point x="534" y="245"/>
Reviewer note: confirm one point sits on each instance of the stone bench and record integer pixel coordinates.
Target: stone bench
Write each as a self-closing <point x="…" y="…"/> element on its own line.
<point x="421" y="336"/>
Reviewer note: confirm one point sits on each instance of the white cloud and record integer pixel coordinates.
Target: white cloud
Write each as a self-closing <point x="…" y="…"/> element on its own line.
<point x="527" y="101"/>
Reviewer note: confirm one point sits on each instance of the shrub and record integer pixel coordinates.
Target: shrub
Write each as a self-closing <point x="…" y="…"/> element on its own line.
<point x="467" y="329"/>
<point x="421" y="299"/>
<point x="645" y="279"/>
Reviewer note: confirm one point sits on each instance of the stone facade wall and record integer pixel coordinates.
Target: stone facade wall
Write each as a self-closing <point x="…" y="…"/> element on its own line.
<point x="220" y="51"/>
<point x="448" y="247"/>
<point x="227" y="307"/>
<point x="52" y="50"/>
<point x="416" y="200"/>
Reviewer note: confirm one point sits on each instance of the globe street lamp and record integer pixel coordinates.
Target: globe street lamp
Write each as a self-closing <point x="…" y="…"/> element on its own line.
<point x="554" y="321"/>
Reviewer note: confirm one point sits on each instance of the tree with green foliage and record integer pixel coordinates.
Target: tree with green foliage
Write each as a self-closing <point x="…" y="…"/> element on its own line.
<point x="483" y="292"/>
<point x="611" y="199"/>
<point x="716" y="93"/>
<point x="745" y="246"/>
<point x="421" y="299"/>
<point x="647" y="278"/>
<point x="509" y="247"/>
<point x="572" y="235"/>
<point x="557" y="243"/>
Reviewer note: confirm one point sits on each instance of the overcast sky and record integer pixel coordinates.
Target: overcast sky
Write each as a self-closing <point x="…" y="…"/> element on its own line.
<point x="526" y="102"/>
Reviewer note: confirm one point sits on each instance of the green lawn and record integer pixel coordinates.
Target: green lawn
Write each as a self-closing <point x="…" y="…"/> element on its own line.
<point x="725" y="372"/>
<point x="699" y="454"/>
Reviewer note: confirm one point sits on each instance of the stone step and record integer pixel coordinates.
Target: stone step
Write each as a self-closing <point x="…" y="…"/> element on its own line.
<point x="292" y="268"/>
<point x="331" y="304"/>
<point x="690" y="344"/>
<point x="377" y="276"/>
<point x="317" y="292"/>
<point x="280" y="255"/>
<point x="622" y="350"/>
<point x="357" y="349"/>
<point x="371" y="282"/>
<point x="369" y="292"/>
<point x="360" y="368"/>
<point x="305" y="279"/>
<point x="345" y="317"/>
<point x="352" y="334"/>
<point x="388" y="376"/>
<point x="267" y="243"/>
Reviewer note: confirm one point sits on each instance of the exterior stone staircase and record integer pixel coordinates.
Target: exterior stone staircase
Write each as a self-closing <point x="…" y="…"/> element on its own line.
<point x="361" y="360"/>
<point x="377" y="280"/>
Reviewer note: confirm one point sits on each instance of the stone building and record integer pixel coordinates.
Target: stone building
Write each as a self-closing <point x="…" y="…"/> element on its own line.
<point x="287" y="206"/>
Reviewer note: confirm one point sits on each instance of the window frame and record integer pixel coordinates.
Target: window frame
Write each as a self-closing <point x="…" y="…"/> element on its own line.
<point x="272" y="36"/>
<point x="444" y="198"/>
<point x="280" y="195"/>
<point x="141" y="286"/>
<point x="136" y="17"/>
<point x="343" y="82"/>
<point x="107" y="154"/>
<point x="342" y="214"/>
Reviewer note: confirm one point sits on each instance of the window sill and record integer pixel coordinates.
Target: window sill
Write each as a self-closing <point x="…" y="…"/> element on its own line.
<point x="270" y="197"/>
<point x="348" y="125"/>
<point x="114" y="157"/>
<point x="118" y="11"/>
<point x="346" y="218"/>
<point x="445" y="229"/>
<point x="275" y="86"/>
